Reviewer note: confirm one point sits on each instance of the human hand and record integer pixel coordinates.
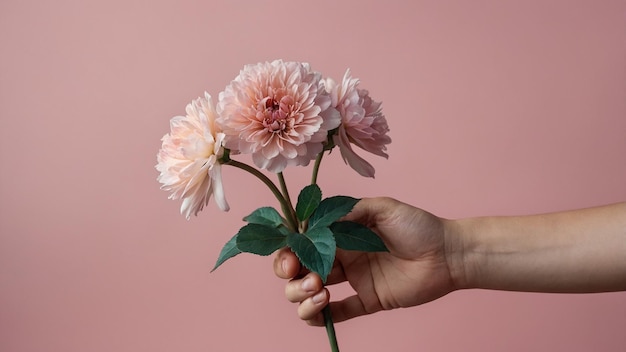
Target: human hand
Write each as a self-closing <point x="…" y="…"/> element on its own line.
<point x="414" y="271"/>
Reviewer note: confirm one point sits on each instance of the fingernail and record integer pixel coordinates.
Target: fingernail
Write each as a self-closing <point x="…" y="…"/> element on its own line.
<point x="283" y="265"/>
<point x="320" y="297"/>
<point x="307" y="284"/>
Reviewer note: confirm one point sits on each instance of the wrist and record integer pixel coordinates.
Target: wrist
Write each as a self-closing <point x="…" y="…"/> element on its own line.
<point x="455" y="253"/>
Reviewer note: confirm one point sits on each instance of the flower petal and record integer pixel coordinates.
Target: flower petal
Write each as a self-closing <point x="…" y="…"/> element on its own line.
<point x="271" y="109"/>
<point x="359" y="164"/>
<point x="218" y="191"/>
<point x="362" y="123"/>
<point x="188" y="160"/>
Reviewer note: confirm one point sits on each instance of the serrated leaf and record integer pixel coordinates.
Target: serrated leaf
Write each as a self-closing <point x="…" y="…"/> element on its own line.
<point x="330" y="210"/>
<point x="228" y="251"/>
<point x="308" y="200"/>
<point x="315" y="249"/>
<point x="265" y="216"/>
<point x="353" y="236"/>
<point x="260" y="239"/>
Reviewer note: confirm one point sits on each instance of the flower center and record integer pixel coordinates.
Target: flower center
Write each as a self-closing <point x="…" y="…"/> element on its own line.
<point x="276" y="118"/>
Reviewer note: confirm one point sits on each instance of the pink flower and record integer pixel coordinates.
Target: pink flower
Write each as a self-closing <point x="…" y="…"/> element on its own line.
<point x="188" y="159"/>
<point x="362" y="123"/>
<point x="278" y="112"/>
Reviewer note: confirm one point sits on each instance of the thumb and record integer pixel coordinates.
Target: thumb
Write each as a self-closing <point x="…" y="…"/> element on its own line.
<point x="369" y="211"/>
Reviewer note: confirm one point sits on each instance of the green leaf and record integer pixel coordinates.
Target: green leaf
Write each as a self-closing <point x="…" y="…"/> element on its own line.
<point x="260" y="239"/>
<point x="353" y="236"/>
<point x="315" y="249"/>
<point x="284" y="230"/>
<point x="265" y="216"/>
<point x="330" y="210"/>
<point x="308" y="200"/>
<point x="228" y="251"/>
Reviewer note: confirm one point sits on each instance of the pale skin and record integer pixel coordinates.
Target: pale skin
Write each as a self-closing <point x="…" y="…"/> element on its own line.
<point x="580" y="251"/>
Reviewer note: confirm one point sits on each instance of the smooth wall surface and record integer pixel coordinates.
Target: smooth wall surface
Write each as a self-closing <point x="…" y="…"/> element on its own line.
<point x="495" y="108"/>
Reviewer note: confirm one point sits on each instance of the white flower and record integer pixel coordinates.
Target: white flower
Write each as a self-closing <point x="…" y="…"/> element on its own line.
<point x="188" y="161"/>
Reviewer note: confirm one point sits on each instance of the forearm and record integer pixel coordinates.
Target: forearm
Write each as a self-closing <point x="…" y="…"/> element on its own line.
<point x="575" y="251"/>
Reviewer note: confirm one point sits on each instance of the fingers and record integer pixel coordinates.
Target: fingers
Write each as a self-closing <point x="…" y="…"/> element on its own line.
<point x="309" y="309"/>
<point x="349" y="308"/>
<point x="372" y="212"/>
<point x="298" y="290"/>
<point x="310" y="292"/>
<point x="360" y="212"/>
<point x="286" y="264"/>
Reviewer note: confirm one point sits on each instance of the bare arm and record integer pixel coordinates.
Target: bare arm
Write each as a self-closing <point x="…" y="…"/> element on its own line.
<point x="574" y="251"/>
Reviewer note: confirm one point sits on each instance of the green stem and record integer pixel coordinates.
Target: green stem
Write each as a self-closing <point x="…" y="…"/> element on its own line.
<point x="316" y="167"/>
<point x="328" y="319"/>
<point x="284" y="202"/>
<point x="283" y="186"/>
<point x="330" y="329"/>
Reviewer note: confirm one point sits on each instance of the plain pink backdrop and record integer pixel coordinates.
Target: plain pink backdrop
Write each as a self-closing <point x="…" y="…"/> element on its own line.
<point x="495" y="107"/>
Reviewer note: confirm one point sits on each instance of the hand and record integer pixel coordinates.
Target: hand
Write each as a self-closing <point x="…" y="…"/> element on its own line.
<point x="414" y="271"/>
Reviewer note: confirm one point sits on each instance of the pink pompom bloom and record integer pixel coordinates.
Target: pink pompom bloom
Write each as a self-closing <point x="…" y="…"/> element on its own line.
<point x="362" y="123"/>
<point x="189" y="158"/>
<point x="278" y="112"/>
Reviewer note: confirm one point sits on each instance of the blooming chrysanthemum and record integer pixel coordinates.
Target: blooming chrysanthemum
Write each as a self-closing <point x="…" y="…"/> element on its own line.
<point x="362" y="123"/>
<point x="188" y="159"/>
<point x="278" y="112"/>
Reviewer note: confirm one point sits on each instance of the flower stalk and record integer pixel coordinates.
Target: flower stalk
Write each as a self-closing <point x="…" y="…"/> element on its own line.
<point x="290" y="214"/>
<point x="288" y="211"/>
<point x="284" y="202"/>
<point x="316" y="167"/>
<point x="330" y="329"/>
<point x="328" y="319"/>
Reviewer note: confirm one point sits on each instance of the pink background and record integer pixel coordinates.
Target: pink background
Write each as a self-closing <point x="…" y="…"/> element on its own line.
<point x="495" y="107"/>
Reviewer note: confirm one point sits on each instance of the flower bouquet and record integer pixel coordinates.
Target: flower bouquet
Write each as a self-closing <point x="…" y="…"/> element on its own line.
<point x="284" y="114"/>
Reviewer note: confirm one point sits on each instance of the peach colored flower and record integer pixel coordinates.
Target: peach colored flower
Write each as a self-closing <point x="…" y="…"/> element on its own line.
<point x="188" y="159"/>
<point x="278" y="112"/>
<point x="362" y="123"/>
